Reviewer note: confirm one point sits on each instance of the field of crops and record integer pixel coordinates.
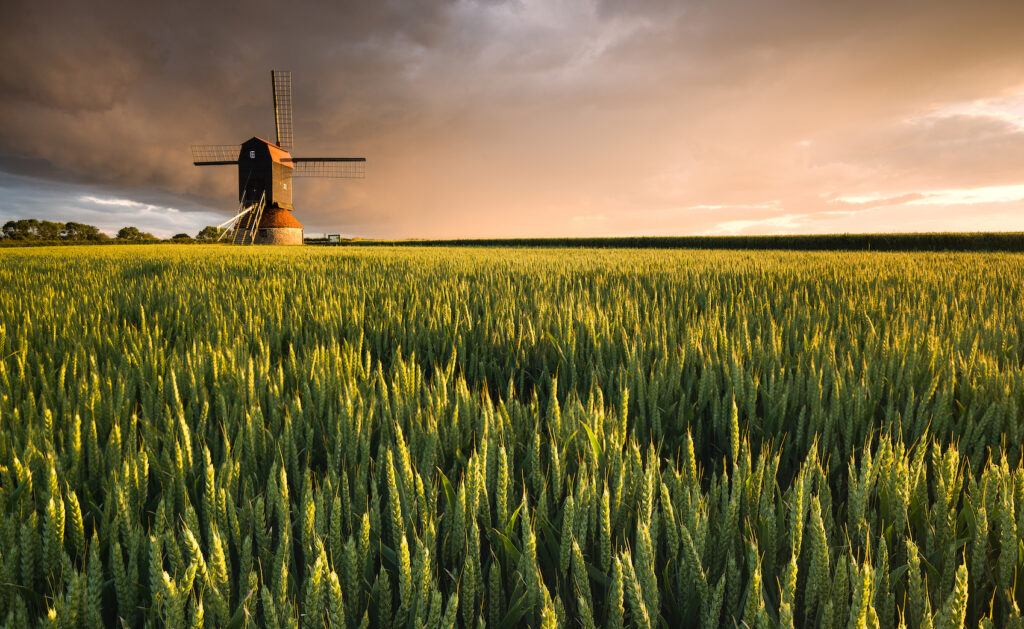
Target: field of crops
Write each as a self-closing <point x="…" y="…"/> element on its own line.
<point x="216" y="436"/>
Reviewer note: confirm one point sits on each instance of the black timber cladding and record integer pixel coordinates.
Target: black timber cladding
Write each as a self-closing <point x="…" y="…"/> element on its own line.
<point x="262" y="169"/>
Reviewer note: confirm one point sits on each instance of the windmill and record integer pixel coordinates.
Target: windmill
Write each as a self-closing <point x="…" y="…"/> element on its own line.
<point x="265" y="172"/>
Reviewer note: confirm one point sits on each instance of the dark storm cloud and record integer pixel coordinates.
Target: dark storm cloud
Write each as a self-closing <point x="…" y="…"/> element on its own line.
<point x="114" y="93"/>
<point x="521" y="117"/>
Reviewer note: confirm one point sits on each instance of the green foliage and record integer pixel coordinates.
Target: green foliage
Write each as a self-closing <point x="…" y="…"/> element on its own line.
<point x="133" y="233"/>
<point x="33" y="229"/>
<point x="209" y="233"/>
<point x="375" y="437"/>
<point x="938" y="241"/>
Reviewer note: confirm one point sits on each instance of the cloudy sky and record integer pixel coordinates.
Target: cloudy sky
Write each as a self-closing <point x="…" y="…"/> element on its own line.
<point x="526" y="118"/>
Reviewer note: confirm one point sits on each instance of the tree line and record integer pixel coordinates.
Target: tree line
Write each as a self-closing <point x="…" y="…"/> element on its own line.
<point x="45" y="231"/>
<point x="939" y="241"/>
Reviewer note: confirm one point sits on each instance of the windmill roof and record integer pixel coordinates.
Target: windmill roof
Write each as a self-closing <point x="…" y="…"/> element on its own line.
<point x="277" y="217"/>
<point x="277" y="153"/>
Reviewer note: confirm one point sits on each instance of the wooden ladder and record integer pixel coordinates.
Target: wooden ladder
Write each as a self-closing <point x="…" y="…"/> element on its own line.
<point x="248" y="223"/>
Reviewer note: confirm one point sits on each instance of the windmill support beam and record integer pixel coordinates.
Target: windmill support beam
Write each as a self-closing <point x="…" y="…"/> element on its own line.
<point x="232" y="219"/>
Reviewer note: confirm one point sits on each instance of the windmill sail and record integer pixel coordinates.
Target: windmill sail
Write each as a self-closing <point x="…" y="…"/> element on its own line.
<point x="215" y="154"/>
<point x="337" y="167"/>
<point x="282" y="81"/>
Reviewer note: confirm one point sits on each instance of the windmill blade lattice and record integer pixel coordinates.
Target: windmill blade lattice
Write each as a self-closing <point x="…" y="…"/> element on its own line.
<point x="215" y="154"/>
<point x="282" y="81"/>
<point x="333" y="167"/>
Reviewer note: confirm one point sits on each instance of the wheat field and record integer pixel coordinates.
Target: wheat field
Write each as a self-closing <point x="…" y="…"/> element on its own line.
<point x="375" y="437"/>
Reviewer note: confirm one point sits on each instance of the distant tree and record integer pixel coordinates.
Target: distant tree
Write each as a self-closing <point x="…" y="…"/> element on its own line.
<point x="133" y="233"/>
<point x="129" y="233"/>
<point x="24" y="229"/>
<point x="49" y="230"/>
<point x="81" y="231"/>
<point x="181" y="237"/>
<point x="32" y="229"/>
<point x="210" y="233"/>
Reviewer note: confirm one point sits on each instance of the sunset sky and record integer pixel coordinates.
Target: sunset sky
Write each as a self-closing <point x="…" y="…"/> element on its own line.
<point x="526" y="118"/>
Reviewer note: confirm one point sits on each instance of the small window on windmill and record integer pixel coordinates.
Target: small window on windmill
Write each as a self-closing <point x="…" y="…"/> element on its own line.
<point x="252" y="154"/>
<point x="285" y="186"/>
